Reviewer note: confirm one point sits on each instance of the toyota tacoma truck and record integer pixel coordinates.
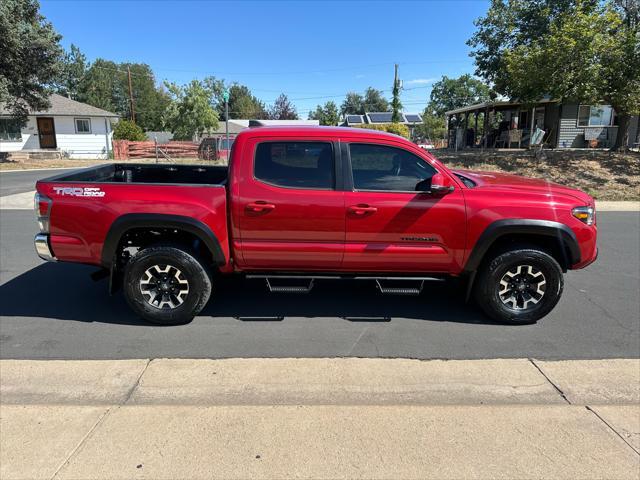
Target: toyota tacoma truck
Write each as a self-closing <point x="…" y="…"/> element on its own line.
<point x="299" y="204"/>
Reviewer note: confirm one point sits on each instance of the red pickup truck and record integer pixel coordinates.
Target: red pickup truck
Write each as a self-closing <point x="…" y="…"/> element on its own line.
<point x="298" y="204"/>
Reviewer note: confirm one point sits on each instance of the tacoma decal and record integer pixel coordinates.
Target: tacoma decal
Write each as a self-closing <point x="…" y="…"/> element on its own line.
<point x="419" y="239"/>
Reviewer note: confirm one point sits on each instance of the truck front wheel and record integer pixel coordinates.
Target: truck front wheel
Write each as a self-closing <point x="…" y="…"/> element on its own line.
<point x="166" y="285"/>
<point x="519" y="286"/>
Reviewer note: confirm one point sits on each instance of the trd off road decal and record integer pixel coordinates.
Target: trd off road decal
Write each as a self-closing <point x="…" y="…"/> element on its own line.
<point x="79" y="191"/>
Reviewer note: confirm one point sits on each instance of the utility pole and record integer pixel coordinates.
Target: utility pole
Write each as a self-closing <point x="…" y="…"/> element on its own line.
<point x="225" y="95"/>
<point x="133" y="110"/>
<point x="395" y="101"/>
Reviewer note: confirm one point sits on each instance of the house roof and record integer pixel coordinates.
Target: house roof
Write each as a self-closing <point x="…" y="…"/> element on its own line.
<point x="480" y="106"/>
<point x="354" y="119"/>
<point x="234" y="128"/>
<point x="413" y="117"/>
<point x="386" y="117"/>
<point x="381" y="117"/>
<point x="65" y="106"/>
<point x="287" y="123"/>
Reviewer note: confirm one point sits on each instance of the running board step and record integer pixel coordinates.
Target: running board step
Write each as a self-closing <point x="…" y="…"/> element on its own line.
<point x="411" y="291"/>
<point x="288" y="288"/>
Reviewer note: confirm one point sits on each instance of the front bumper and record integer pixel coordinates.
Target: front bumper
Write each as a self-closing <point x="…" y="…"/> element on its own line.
<point x="43" y="249"/>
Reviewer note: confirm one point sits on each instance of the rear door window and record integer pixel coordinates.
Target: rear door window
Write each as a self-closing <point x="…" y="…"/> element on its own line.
<point x="295" y="164"/>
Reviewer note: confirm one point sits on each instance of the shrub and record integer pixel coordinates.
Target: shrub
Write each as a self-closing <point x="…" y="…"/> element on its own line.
<point x="395" y="128"/>
<point x="127" y="130"/>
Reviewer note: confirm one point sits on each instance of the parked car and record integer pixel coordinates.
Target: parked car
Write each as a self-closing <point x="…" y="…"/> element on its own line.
<point x="297" y="204"/>
<point x="214" y="148"/>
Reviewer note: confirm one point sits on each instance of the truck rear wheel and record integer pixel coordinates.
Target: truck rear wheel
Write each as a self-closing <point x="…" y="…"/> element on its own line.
<point x="166" y="285"/>
<point x="519" y="286"/>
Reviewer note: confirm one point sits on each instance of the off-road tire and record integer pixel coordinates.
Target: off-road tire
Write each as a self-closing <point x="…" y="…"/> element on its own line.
<point x="191" y="270"/>
<point x="487" y="285"/>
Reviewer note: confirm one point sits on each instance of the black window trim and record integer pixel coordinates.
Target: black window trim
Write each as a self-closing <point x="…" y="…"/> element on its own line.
<point x="337" y="162"/>
<point x="349" y="170"/>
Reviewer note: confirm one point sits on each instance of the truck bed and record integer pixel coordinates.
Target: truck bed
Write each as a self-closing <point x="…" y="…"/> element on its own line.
<point x="84" y="204"/>
<point x="148" y="174"/>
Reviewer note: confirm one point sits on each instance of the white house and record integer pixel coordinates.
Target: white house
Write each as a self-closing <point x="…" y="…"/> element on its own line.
<point x="67" y="128"/>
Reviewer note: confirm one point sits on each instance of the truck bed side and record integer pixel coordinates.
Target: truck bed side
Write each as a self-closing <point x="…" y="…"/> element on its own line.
<point x="83" y="212"/>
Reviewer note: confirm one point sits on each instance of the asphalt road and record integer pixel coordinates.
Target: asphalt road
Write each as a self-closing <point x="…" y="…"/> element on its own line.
<point x="54" y="310"/>
<point x="24" y="181"/>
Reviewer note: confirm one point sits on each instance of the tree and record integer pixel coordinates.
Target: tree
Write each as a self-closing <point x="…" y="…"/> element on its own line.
<point x="451" y="93"/>
<point x="396" y="105"/>
<point x="353" y="104"/>
<point x="74" y="68"/>
<point x="127" y="130"/>
<point x="509" y="24"/>
<point x="150" y="102"/>
<point x="30" y="57"/>
<point x="283" y="109"/>
<point x="242" y="104"/>
<point x="191" y="110"/>
<point x="327" y="114"/>
<point x="432" y="127"/>
<point x="582" y="51"/>
<point x="374" y="101"/>
<point x="104" y="86"/>
<point x="395" y="128"/>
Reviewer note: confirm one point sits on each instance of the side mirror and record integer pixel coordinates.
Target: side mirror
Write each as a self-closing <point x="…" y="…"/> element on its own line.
<point x="436" y="185"/>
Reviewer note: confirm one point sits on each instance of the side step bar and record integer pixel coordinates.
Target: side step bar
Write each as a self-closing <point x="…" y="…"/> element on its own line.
<point x="399" y="290"/>
<point x="305" y="283"/>
<point x="289" y="288"/>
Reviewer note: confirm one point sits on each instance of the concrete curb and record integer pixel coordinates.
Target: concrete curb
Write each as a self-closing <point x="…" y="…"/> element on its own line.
<point x="17" y="201"/>
<point x="17" y="170"/>
<point x="617" y="206"/>
<point x="336" y="381"/>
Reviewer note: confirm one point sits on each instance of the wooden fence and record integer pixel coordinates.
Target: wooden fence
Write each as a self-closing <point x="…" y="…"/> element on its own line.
<point x="125" y="150"/>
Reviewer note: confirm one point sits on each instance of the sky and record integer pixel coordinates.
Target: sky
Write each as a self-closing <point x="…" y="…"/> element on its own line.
<point x="312" y="51"/>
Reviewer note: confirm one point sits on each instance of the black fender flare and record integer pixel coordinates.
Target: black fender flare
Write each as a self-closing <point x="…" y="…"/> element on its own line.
<point x="548" y="228"/>
<point x="158" y="220"/>
<point x="500" y="228"/>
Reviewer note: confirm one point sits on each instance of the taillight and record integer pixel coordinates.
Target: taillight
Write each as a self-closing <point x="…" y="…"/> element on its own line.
<point x="42" y="206"/>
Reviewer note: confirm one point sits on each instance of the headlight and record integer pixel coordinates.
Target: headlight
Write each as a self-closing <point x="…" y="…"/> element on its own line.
<point x="584" y="214"/>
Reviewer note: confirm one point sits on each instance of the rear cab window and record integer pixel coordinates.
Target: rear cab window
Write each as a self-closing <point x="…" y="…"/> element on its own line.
<point x="295" y="164"/>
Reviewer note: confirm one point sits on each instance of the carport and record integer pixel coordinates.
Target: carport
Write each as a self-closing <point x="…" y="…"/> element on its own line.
<point x="502" y="124"/>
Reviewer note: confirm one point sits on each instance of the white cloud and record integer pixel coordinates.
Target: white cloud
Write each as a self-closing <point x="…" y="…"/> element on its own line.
<point x="420" y="81"/>
<point x="360" y="75"/>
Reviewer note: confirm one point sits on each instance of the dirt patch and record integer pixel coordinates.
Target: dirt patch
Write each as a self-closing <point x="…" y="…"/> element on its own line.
<point x="602" y="174"/>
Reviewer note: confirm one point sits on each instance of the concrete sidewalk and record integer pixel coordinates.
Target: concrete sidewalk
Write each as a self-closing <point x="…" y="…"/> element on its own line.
<point x="319" y="418"/>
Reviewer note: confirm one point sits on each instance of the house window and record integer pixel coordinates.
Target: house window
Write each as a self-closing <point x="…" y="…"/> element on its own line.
<point x="595" y="116"/>
<point x="83" y="125"/>
<point x="10" y="130"/>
